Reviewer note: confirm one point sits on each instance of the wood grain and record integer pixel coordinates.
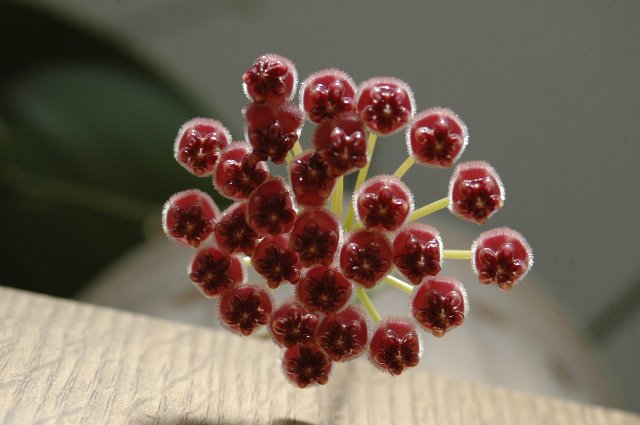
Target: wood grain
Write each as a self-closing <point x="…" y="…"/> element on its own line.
<point x="63" y="362"/>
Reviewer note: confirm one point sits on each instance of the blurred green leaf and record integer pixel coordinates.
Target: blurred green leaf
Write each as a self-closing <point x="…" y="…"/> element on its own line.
<point x="87" y="136"/>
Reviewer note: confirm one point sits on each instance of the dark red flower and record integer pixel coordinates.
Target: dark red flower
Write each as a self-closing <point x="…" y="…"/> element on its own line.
<point x="309" y="180"/>
<point x="502" y="256"/>
<point x="275" y="261"/>
<point x="366" y="258"/>
<point x="245" y="308"/>
<point x="315" y="246"/>
<point x="479" y="199"/>
<point x="214" y="272"/>
<point x="323" y="289"/>
<point x="270" y="79"/>
<point x="199" y="143"/>
<point x="233" y="233"/>
<point x="500" y="266"/>
<point x="272" y="131"/>
<point x="190" y="224"/>
<point x="272" y="142"/>
<point x="292" y="325"/>
<point x="315" y="237"/>
<point x="383" y="203"/>
<point x="270" y="209"/>
<point x="385" y="105"/>
<point x="326" y="94"/>
<point x="442" y="312"/>
<point x="437" y="137"/>
<point x="341" y="143"/>
<point x="305" y="366"/>
<point x="417" y="252"/>
<point x="439" y="304"/>
<point x="476" y="191"/>
<point x="343" y="336"/>
<point x="346" y="152"/>
<point x="394" y="346"/>
<point x="272" y="215"/>
<point x="238" y="174"/>
<point x="188" y="217"/>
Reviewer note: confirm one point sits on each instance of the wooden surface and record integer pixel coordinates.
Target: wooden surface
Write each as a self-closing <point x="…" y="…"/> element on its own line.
<point x="65" y="362"/>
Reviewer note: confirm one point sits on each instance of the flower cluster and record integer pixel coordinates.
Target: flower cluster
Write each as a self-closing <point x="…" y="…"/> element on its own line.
<point x="293" y="233"/>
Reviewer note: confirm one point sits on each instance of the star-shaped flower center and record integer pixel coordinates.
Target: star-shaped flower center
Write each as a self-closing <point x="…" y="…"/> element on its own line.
<point x="310" y="365"/>
<point x="420" y="259"/>
<point x="235" y="234"/>
<point x="272" y="213"/>
<point x="271" y="142"/>
<point x="442" y="311"/>
<point x="266" y="77"/>
<point x="344" y="153"/>
<point x="315" y="246"/>
<point x="480" y="198"/>
<point x="309" y="176"/>
<point x="383" y="208"/>
<point x="296" y="327"/>
<point x="397" y="353"/>
<point x="190" y="224"/>
<point x="387" y="110"/>
<point x="278" y="265"/>
<point x="438" y="144"/>
<point x="341" y="341"/>
<point x="500" y="266"/>
<point x="242" y="177"/>
<point x="246" y="313"/>
<point x="365" y="264"/>
<point x="325" y="293"/>
<point x="212" y="274"/>
<point x="200" y="151"/>
<point x="329" y="101"/>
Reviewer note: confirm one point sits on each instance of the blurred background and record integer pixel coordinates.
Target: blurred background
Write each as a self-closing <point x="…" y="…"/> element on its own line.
<point x="93" y="93"/>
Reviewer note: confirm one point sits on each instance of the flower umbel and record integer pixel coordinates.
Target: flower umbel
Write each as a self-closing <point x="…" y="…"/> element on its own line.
<point x="292" y="232"/>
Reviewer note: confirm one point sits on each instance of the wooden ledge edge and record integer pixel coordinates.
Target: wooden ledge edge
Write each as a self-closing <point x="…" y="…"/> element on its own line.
<point x="68" y="362"/>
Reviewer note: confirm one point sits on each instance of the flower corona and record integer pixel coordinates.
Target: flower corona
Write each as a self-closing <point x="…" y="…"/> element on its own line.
<point x="293" y="232"/>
